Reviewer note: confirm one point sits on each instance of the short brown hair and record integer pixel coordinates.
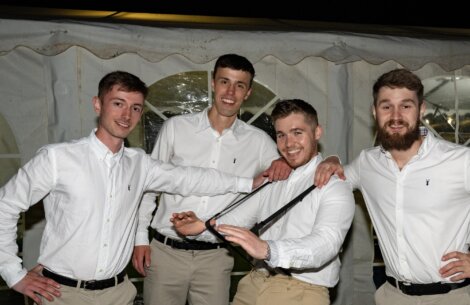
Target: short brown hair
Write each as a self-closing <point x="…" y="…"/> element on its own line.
<point x="284" y="108"/>
<point x="399" y="78"/>
<point x="127" y="81"/>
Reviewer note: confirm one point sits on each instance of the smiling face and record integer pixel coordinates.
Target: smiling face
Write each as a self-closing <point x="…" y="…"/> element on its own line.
<point x="397" y="114"/>
<point x="297" y="138"/>
<point x="119" y="112"/>
<point x="231" y="87"/>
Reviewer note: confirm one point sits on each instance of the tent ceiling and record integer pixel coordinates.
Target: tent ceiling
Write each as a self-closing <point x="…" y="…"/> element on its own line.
<point x="330" y="16"/>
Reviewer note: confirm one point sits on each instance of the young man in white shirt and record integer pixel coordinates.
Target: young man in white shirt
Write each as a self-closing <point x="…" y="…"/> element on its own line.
<point x="307" y="239"/>
<point x="417" y="190"/>
<point x="91" y="189"/>
<point x="198" y="271"/>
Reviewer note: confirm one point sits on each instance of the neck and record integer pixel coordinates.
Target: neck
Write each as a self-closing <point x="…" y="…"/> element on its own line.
<point x="402" y="157"/>
<point x="112" y="143"/>
<point x="220" y="122"/>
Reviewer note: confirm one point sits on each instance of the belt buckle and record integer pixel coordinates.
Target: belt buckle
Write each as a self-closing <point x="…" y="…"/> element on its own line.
<point x="90" y="285"/>
<point x="404" y="286"/>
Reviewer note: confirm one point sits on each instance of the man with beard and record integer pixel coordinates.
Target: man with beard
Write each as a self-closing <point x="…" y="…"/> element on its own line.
<point x="416" y="189"/>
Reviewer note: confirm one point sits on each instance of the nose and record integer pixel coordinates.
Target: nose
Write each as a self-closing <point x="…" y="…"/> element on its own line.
<point x="231" y="88"/>
<point x="289" y="141"/>
<point x="126" y="112"/>
<point x="396" y="114"/>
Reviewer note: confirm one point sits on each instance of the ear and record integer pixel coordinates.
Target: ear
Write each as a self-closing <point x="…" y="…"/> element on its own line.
<point x="422" y="109"/>
<point x="97" y="105"/>
<point x="248" y="93"/>
<point x="374" y="113"/>
<point x="318" y="132"/>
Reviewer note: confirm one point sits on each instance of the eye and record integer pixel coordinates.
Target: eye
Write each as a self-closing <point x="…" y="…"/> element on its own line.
<point x="137" y="109"/>
<point x="241" y="86"/>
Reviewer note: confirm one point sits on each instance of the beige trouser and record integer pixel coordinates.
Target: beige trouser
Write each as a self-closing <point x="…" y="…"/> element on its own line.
<point x="200" y="276"/>
<point x="258" y="288"/>
<point x="390" y="295"/>
<point x="122" y="294"/>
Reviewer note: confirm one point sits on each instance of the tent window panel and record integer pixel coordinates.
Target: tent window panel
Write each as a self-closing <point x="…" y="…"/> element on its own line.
<point x="448" y="107"/>
<point x="190" y="92"/>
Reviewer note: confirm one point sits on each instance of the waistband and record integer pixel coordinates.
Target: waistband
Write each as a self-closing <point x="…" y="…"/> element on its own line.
<point x="89" y="285"/>
<point x="426" y="289"/>
<point x="187" y="244"/>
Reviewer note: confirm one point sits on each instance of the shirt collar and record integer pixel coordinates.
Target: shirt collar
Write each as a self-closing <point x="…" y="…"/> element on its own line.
<point x="102" y="151"/>
<point x="306" y="169"/>
<point x="204" y="124"/>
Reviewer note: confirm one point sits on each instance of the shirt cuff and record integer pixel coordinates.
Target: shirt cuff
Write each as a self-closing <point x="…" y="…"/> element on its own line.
<point x="244" y="185"/>
<point x="141" y="239"/>
<point x="274" y="254"/>
<point x="13" y="274"/>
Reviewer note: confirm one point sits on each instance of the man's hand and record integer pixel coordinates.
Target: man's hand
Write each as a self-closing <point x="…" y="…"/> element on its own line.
<point x="279" y="170"/>
<point x="326" y="169"/>
<point x="253" y="245"/>
<point x="187" y="223"/>
<point x="458" y="268"/>
<point x="34" y="285"/>
<point x="141" y="258"/>
<point x="258" y="181"/>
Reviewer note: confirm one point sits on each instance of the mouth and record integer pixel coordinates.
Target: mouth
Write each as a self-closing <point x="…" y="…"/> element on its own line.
<point x="228" y="101"/>
<point x="396" y="126"/>
<point x="292" y="153"/>
<point x="123" y="124"/>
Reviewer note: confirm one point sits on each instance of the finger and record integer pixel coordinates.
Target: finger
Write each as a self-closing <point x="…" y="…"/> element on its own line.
<point x="458" y="277"/>
<point x="451" y="255"/>
<point x="137" y="265"/>
<point x="37" y="300"/>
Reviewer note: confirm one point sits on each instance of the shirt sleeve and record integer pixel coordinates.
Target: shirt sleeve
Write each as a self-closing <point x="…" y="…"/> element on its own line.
<point x="324" y="242"/>
<point x="32" y="183"/>
<point x="352" y="172"/>
<point x="189" y="180"/>
<point x="269" y="153"/>
<point x="163" y="150"/>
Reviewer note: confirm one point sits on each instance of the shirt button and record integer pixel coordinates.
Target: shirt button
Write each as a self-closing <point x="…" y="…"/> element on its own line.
<point x="213" y="161"/>
<point x="101" y="270"/>
<point x="105" y="245"/>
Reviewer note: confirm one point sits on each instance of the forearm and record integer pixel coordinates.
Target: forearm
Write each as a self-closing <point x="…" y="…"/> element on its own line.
<point x="146" y="208"/>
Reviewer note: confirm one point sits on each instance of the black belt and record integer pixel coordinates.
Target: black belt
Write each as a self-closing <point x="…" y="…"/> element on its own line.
<point x="426" y="289"/>
<point x="90" y="285"/>
<point x="187" y="244"/>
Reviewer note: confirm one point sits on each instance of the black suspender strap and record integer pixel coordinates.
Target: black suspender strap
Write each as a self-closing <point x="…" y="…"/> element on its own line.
<point x="257" y="227"/>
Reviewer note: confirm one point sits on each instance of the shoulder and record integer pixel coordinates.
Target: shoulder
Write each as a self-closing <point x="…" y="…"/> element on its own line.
<point x="65" y="146"/>
<point x="183" y="119"/>
<point x="253" y="131"/>
<point x="135" y="152"/>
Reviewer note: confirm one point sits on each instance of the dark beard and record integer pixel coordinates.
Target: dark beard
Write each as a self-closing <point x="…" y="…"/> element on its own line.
<point x="397" y="141"/>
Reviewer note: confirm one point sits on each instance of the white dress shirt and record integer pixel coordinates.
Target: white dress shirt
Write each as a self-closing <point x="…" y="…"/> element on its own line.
<point x="242" y="150"/>
<point x="420" y="212"/>
<point x="90" y="199"/>
<point x="309" y="236"/>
